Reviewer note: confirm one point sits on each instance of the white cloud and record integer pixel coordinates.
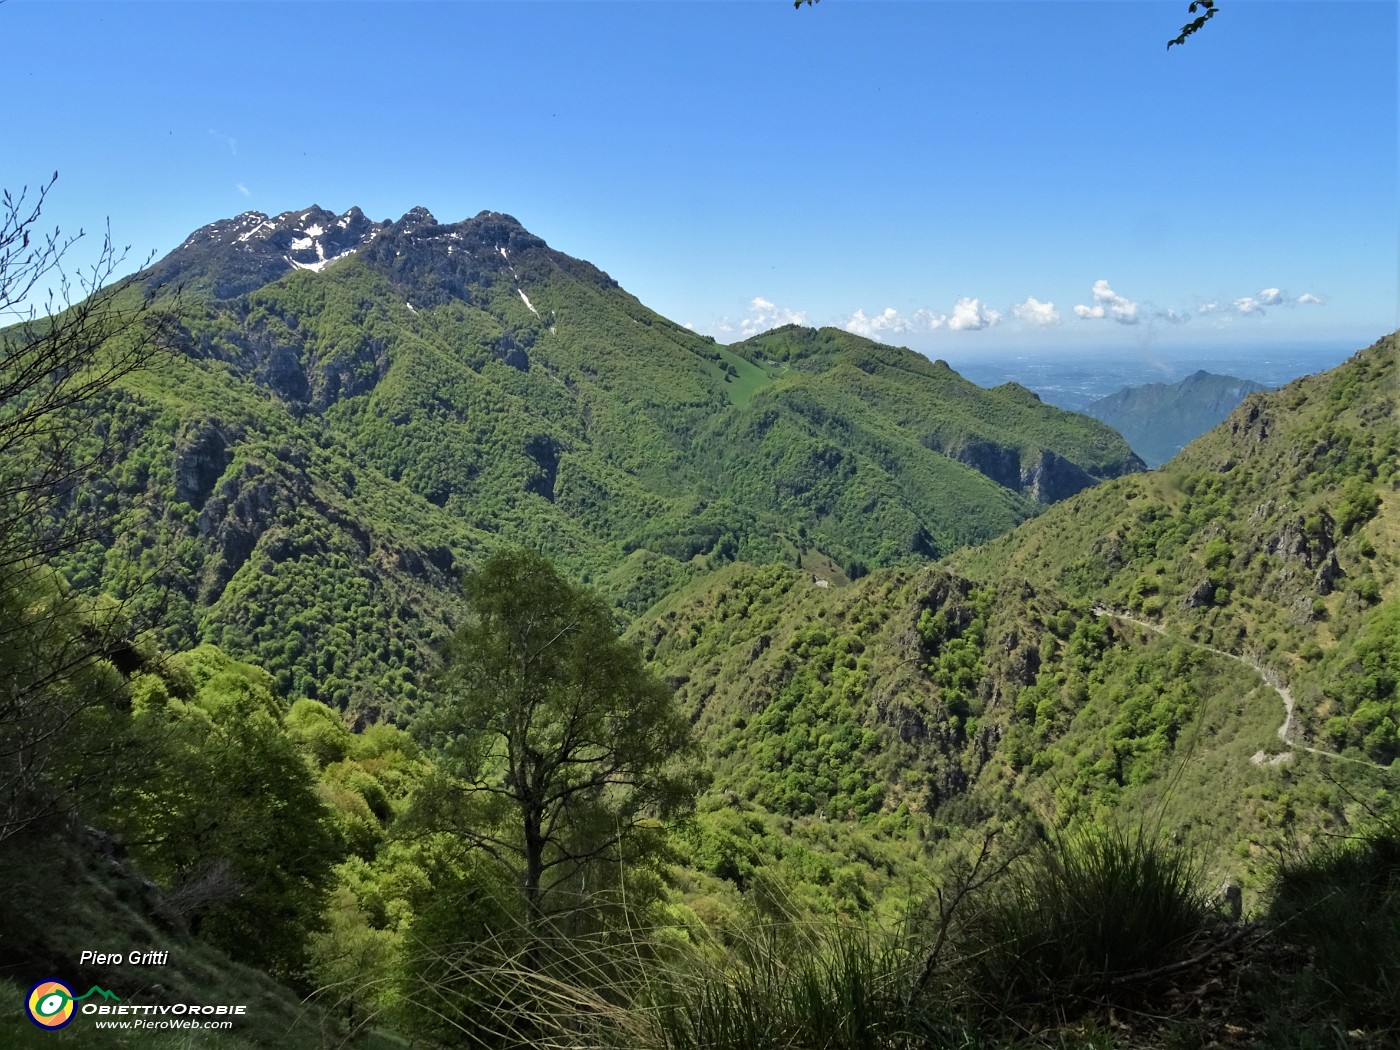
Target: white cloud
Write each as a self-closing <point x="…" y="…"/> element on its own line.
<point x="763" y="315"/>
<point x="971" y="314"/>
<point x="243" y="189"/>
<point x="1108" y="303"/>
<point x="1034" y="312"/>
<point x="228" y="140"/>
<point x="1210" y="306"/>
<point x="1255" y="304"/>
<point x="872" y="327"/>
<point x="1172" y="316"/>
<point x="891" y="322"/>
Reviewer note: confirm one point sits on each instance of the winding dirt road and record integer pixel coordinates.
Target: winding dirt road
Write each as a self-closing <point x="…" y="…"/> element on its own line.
<point x="1287" y="732"/>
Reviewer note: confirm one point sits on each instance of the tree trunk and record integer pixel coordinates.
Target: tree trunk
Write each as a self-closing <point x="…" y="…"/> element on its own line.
<point x="534" y="869"/>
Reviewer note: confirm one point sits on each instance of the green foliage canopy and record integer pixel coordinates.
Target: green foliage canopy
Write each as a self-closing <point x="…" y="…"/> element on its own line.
<point x="566" y="744"/>
<point x="229" y="820"/>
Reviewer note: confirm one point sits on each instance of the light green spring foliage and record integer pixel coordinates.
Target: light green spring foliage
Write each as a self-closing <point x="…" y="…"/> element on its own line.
<point x="947" y="698"/>
<point x="537" y="821"/>
<point x="322" y="463"/>
<point x="60" y="700"/>
<point x="253" y="856"/>
<point x="333" y="449"/>
<point x="571" y="750"/>
<point x="853" y="732"/>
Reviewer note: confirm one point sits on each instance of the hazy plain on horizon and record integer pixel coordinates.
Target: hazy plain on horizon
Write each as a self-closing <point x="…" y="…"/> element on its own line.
<point x="1072" y="379"/>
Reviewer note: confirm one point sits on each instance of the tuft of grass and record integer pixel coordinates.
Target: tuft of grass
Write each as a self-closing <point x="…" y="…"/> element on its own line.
<point x="845" y="988"/>
<point x="1081" y="916"/>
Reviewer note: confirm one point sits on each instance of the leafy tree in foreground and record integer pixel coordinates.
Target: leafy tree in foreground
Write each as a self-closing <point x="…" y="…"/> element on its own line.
<point x="566" y="749"/>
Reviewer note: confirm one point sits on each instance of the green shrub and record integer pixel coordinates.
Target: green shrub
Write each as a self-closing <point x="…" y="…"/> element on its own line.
<point x="1358" y="506"/>
<point x="792" y="987"/>
<point x="1081" y="912"/>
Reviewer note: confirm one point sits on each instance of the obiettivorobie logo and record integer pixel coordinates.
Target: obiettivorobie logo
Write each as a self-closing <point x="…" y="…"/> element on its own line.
<point x="51" y="1003"/>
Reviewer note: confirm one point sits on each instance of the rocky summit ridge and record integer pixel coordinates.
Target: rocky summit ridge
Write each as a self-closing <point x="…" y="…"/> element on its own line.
<point x="231" y="257"/>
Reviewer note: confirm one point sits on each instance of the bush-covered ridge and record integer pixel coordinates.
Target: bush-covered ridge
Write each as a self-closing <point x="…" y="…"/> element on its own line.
<point x="377" y="899"/>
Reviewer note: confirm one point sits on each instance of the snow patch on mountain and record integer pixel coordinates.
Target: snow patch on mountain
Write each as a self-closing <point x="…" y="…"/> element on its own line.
<point x="322" y="262"/>
<point x="255" y="230"/>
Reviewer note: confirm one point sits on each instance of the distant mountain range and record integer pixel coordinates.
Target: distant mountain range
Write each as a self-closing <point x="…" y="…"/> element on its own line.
<point x="1159" y="419"/>
<point x="357" y="408"/>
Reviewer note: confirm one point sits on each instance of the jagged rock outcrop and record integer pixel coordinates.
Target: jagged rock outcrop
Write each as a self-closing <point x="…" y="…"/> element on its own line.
<point x="1328" y="573"/>
<point x="1201" y="596"/>
<point x="997" y="462"/>
<point x="1049" y="478"/>
<point x="440" y="262"/>
<point x="1023" y="664"/>
<point x="1249" y="423"/>
<point x="244" y="506"/>
<point x="1308" y="545"/>
<point x="1045" y="477"/>
<point x="282" y="372"/>
<point x="436" y="262"/>
<point x="511" y="347"/>
<point x="203" y="451"/>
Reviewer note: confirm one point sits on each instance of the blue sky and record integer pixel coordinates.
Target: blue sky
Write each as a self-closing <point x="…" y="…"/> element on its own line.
<point x="956" y="177"/>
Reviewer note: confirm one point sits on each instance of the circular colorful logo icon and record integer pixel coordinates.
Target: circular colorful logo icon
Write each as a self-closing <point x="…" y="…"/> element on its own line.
<point x="50" y="1004"/>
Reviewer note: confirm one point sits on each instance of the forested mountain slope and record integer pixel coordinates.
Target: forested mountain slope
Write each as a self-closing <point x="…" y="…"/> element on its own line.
<point x="356" y="412"/>
<point x="1276" y="534"/>
<point x="1080" y="665"/>
<point x="355" y="408"/>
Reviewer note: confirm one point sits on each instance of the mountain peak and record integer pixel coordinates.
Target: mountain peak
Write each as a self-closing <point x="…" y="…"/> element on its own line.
<point x="434" y="260"/>
<point x="233" y="256"/>
<point x="1158" y="419"/>
<point x="496" y="217"/>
